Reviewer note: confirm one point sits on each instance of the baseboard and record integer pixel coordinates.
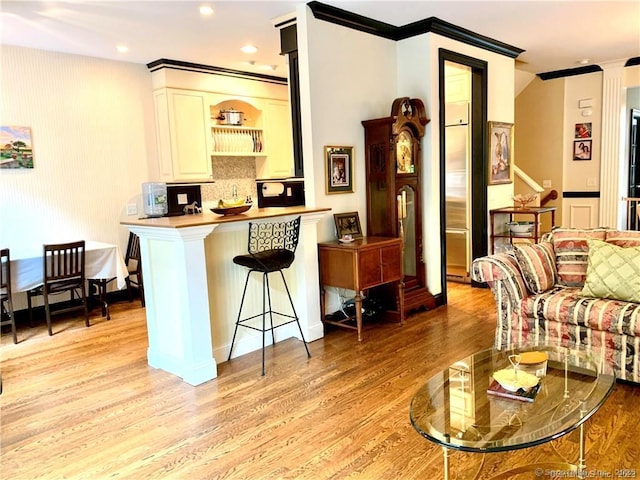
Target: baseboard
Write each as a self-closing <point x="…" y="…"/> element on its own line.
<point x="22" y="316"/>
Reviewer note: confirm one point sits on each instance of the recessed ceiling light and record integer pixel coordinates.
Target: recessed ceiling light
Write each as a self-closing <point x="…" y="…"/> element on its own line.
<point x="122" y="48"/>
<point x="584" y="61"/>
<point x="206" y="10"/>
<point x="249" y="49"/>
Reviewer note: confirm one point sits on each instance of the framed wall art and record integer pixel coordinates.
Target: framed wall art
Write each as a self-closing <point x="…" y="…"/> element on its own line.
<point x="583" y="130"/>
<point x="339" y="169"/>
<point x="500" y="152"/>
<point x="348" y="224"/>
<point x="16" y="150"/>
<point x="582" y="150"/>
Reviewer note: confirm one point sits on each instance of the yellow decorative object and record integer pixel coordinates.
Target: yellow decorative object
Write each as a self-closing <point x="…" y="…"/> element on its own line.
<point x="229" y="202"/>
<point x="522" y="199"/>
<point x="513" y="380"/>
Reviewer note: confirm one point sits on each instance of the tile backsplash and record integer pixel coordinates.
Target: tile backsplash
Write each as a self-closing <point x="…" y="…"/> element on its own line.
<point x="227" y="172"/>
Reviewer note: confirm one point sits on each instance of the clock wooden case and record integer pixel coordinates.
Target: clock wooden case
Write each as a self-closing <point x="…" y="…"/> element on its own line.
<point x="394" y="192"/>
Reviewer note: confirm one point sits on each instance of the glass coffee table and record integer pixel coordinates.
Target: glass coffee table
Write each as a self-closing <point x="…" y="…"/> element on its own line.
<point x="454" y="410"/>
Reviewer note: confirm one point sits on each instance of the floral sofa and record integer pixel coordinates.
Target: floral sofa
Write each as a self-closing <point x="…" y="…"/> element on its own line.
<point x="576" y="288"/>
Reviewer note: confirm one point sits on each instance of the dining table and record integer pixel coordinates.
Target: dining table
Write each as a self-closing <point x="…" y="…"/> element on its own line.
<point x="102" y="261"/>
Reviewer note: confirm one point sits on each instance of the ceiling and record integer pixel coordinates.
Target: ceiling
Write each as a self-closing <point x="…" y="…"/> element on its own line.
<point x="554" y="34"/>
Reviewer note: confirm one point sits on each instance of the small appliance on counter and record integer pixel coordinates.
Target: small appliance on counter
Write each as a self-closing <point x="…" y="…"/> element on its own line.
<point x="283" y="192"/>
<point x="154" y="199"/>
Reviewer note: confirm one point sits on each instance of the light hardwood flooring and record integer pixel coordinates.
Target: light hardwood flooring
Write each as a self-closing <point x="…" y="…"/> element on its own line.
<point x="84" y="404"/>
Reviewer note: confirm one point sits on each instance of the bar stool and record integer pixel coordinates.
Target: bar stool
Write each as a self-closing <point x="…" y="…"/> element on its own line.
<point x="271" y="249"/>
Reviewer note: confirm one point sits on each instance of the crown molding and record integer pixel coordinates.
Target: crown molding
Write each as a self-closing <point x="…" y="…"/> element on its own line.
<point x="632" y="62"/>
<point x="361" y="23"/>
<point x="198" y="68"/>
<point x="569" y="72"/>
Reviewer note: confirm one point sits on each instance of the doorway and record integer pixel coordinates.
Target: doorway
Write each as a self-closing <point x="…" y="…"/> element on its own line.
<point x="476" y="167"/>
<point x="633" y="187"/>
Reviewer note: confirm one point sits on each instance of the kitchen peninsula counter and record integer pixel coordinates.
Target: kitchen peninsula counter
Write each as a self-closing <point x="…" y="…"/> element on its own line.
<point x="193" y="288"/>
<point x="208" y="218"/>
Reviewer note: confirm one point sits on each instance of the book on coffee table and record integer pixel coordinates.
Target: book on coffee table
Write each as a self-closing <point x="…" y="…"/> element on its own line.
<point x="524" y="396"/>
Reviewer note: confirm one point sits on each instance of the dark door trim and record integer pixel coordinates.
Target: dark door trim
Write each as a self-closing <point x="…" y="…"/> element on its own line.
<point x="478" y="171"/>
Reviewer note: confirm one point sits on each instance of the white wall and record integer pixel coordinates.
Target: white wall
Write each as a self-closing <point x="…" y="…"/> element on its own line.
<point x="346" y="76"/>
<point x="418" y="63"/>
<point x="93" y="137"/>
<point x="581" y="175"/>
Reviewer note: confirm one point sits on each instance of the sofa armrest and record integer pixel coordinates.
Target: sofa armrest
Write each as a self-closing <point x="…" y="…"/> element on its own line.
<point x="500" y="270"/>
<point x="502" y="273"/>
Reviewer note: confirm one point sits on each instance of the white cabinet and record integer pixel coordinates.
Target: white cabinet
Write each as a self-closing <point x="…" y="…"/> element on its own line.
<point x="189" y="134"/>
<point x="184" y="137"/>
<point x="278" y="141"/>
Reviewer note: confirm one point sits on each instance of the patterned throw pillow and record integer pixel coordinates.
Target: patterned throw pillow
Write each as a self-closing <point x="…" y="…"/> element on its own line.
<point x="570" y="245"/>
<point x="623" y="238"/>
<point x="538" y="265"/>
<point x="613" y="272"/>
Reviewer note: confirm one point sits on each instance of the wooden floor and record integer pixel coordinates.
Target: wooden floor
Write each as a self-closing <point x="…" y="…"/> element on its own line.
<point x="84" y="404"/>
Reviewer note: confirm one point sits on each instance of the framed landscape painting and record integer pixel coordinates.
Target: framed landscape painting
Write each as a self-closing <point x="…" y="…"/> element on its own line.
<point x="16" y="149"/>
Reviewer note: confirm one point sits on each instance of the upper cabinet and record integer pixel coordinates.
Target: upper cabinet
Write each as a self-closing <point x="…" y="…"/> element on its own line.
<point x="184" y="138"/>
<point x="278" y="141"/>
<point x="195" y="126"/>
<point x="204" y="112"/>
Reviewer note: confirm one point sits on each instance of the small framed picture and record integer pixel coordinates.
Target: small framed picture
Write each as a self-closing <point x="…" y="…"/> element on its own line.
<point x="348" y="224"/>
<point x="583" y="130"/>
<point x="16" y="147"/>
<point x="500" y="152"/>
<point x="339" y="169"/>
<point x="582" y="150"/>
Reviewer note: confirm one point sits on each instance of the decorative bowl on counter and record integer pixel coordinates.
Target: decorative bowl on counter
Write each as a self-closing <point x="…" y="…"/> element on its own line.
<point x="231" y="210"/>
<point x="520" y="228"/>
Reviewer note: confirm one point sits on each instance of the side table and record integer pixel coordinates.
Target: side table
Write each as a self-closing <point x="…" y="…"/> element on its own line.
<point x="511" y="211"/>
<point x="366" y="262"/>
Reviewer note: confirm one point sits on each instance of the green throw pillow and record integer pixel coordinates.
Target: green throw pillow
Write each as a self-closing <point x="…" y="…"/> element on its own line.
<point x="612" y="272"/>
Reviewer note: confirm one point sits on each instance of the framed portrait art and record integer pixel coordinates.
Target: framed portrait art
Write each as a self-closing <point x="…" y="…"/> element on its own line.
<point x="500" y="152"/>
<point x="348" y="224"/>
<point x="582" y="150"/>
<point x="339" y="169"/>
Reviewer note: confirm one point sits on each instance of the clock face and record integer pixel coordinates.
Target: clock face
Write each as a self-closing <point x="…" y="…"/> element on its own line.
<point x="404" y="153"/>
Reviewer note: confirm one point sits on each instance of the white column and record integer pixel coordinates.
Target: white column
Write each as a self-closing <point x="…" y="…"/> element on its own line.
<point x="611" y="161"/>
<point x="177" y="301"/>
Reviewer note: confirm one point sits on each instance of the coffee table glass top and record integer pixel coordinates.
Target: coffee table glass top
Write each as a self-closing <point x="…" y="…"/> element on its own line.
<point x="454" y="409"/>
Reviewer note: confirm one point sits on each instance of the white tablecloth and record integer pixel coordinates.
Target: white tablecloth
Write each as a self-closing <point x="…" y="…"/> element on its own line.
<point x="102" y="260"/>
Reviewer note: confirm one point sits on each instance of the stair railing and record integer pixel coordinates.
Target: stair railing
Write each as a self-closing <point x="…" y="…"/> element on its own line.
<point x="633" y="213"/>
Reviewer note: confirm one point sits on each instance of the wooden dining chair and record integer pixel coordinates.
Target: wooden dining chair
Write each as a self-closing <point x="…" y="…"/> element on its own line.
<point x="133" y="260"/>
<point x="6" y="303"/>
<point x="64" y="271"/>
<point x="134" y="268"/>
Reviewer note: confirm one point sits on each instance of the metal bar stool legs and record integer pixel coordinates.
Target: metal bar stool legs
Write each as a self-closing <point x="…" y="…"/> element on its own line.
<point x="271" y="248"/>
<point x="266" y="302"/>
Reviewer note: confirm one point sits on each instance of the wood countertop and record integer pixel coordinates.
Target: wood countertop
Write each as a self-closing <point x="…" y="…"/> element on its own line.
<point x="208" y="217"/>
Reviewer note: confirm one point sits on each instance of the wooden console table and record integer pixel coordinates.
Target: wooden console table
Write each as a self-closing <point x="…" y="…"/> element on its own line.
<point x="365" y="263"/>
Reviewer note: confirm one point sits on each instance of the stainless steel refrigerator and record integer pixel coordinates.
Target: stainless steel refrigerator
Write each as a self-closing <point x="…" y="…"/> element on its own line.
<point x="457" y="186"/>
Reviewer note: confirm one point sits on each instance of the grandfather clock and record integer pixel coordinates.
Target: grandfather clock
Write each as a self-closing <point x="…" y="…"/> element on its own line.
<point x="394" y="192"/>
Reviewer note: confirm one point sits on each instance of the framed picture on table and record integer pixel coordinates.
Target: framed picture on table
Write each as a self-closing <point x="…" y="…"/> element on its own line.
<point x="339" y="169"/>
<point x="348" y="224"/>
